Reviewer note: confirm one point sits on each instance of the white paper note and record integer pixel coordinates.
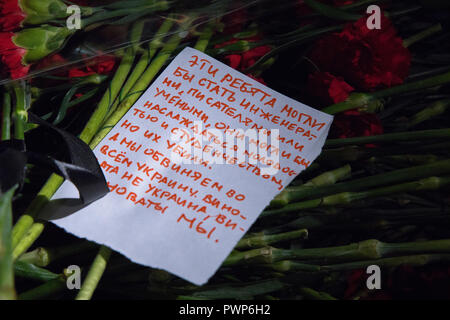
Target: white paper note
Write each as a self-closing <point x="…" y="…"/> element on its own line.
<point x="190" y="166"/>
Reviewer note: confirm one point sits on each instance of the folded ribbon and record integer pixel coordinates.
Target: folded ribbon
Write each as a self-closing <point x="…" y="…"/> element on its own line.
<point x="83" y="170"/>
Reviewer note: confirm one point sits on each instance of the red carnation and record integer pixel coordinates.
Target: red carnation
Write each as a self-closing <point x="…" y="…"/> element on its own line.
<point x="327" y="88"/>
<point x="367" y="59"/>
<point x="11" y="15"/>
<point x="353" y="123"/>
<point x="12" y="56"/>
<point x="97" y="65"/>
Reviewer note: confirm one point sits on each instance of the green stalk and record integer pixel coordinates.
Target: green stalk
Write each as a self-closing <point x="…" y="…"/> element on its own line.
<point x="19" y="113"/>
<point x="142" y="64"/>
<point x="430" y="183"/>
<point x="94" y="275"/>
<point x="396" y="176"/>
<point x="45" y="290"/>
<point x="6" y="117"/>
<point x="39" y="257"/>
<point x="356" y="100"/>
<point x="25" y="232"/>
<point x="415" y="261"/>
<point x="391" y="137"/>
<point x="261" y="240"/>
<point x="325" y="179"/>
<point x="140" y="86"/>
<point x="7" y="291"/>
<point x="365" y="250"/>
<point x="316" y="295"/>
<point x="237" y="291"/>
<point x="205" y="36"/>
<point x="105" y="15"/>
<point x="294" y="266"/>
<point x="435" y="109"/>
<point x="422" y="35"/>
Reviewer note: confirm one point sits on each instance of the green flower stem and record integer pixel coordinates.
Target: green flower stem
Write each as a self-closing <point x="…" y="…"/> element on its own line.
<point x="435" y="109"/>
<point x="7" y="291"/>
<point x="357" y="100"/>
<point x="396" y="176"/>
<point x="25" y="232"/>
<point x="19" y="113"/>
<point x="99" y="264"/>
<point x="45" y="290"/>
<point x="205" y="36"/>
<point x="261" y="240"/>
<point x="42" y="257"/>
<point x="422" y="35"/>
<point x="6" y="117"/>
<point x="391" y="137"/>
<point x="142" y="64"/>
<point x="39" y="257"/>
<point x="294" y="266"/>
<point x="94" y="275"/>
<point x="325" y="179"/>
<point x="109" y="14"/>
<point x="431" y="183"/>
<point x="365" y="250"/>
<point x="140" y="86"/>
<point x="414" y="260"/>
<point x="236" y="291"/>
<point x="316" y="295"/>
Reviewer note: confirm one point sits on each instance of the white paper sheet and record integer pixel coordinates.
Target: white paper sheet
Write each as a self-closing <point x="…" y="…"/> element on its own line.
<point x="186" y="217"/>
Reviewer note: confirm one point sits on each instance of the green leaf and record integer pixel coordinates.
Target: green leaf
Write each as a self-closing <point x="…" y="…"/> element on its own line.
<point x="30" y="271"/>
<point x="7" y="291"/>
<point x="332" y="12"/>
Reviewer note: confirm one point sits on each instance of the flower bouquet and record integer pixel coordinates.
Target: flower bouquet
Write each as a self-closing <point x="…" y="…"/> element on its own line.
<point x="376" y="196"/>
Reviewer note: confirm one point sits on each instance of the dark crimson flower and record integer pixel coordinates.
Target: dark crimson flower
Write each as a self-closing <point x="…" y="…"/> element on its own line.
<point x="327" y="88"/>
<point x="15" y="12"/>
<point x="11" y="15"/>
<point x="12" y="56"/>
<point x="367" y="59"/>
<point x="97" y="65"/>
<point x="18" y="50"/>
<point x="353" y="123"/>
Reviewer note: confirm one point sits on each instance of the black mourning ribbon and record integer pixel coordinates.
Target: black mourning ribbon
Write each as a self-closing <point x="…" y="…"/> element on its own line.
<point x="82" y="170"/>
